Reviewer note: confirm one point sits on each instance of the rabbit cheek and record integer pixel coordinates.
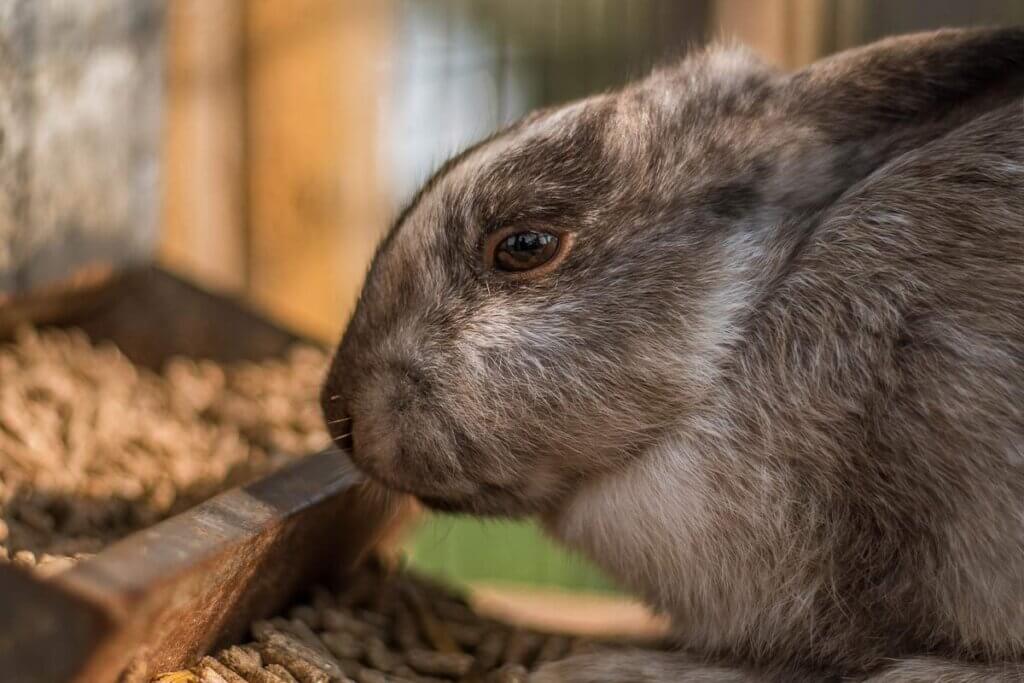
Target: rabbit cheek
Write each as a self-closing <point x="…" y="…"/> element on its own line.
<point x="375" y="437"/>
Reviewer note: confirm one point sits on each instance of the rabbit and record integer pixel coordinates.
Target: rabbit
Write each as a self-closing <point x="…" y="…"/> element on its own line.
<point x="751" y="341"/>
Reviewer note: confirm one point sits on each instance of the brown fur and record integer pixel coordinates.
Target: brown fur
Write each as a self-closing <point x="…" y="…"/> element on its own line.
<point x="776" y="387"/>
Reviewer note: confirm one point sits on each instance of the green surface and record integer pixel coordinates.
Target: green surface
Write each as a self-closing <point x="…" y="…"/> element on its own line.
<point x="462" y="549"/>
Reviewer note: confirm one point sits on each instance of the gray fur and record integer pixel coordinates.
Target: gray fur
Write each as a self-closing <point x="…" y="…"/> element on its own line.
<point x="776" y="387"/>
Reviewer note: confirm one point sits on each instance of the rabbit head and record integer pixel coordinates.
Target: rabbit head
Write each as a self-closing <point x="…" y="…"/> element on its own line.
<point x="558" y="296"/>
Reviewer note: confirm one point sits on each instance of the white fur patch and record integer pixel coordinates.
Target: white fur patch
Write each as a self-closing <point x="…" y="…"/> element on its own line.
<point x="641" y="524"/>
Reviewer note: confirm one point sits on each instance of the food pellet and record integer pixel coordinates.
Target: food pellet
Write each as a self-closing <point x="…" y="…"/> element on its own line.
<point x="466" y="635"/>
<point x="93" y="447"/>
<point x="292" y="627"/>
<point x="380" y="657"/>
<point x="295" y="650"/>
<point x="553" y="648"/>
<point x="249" y="664"/>
<point x="178" y="677"/>
<point x="301" y="668"/>
<point x="371" y="676"/>
<point x="306" y="614"/>
<point x="338" y="620"/>
<point x="518" y="647"/>
<point x="406" y="633"/>
<point x="306" y="635"/>
<point x="342" y="645"/>
<point x="356" y="635"/>
<point x="210" y="668"/>
<point x="491" y="648"/>
<point x="282" y="673"/>
<point x="208" y="675"/>
<point x="510" y="673"/>
<point x="25" y="558"/>
<point x="451" y="664"/>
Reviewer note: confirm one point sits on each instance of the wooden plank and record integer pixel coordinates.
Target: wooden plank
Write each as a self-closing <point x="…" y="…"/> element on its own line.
<point x="575" y="612"/>
<point x="316" y="208"/>
<point x="204" y="210"/>
<point x="162" y="597"/>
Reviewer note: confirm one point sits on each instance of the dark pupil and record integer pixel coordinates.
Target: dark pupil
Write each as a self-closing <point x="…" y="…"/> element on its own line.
<point x="525" y="250"/>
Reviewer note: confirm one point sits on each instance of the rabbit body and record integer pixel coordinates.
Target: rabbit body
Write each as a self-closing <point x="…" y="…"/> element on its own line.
<point x="776" y="387"/>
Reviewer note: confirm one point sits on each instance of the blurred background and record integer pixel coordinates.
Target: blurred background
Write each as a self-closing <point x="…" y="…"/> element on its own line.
<point x="273" y="141"/>
<point x="294" y="131"/>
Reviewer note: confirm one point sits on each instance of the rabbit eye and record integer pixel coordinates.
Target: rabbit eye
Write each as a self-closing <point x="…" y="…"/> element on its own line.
<point x="519" y="251"/>
<point x="525" y="251"/>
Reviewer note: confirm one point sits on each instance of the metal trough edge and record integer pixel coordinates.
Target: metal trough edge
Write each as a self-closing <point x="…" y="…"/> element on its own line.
<point x="162" y="597"/>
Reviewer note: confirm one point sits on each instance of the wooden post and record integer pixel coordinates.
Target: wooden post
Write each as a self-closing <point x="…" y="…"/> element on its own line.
<point x="204" y="154"/>
<point x="788" y="33"/>
<point x="315" y="207"/>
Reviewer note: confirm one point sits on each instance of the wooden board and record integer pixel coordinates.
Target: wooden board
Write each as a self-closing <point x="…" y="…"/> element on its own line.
<point x="583" y="613"/>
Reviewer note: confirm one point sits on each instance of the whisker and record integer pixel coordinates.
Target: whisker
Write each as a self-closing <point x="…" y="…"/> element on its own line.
<point x="335" y="397"/>
<point x="339" y="420"/>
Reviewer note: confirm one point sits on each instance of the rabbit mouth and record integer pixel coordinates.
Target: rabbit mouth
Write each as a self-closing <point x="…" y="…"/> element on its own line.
<point x="439" y="504"/>
<point x="491" y="500"/>
<point x="487" y="500"/>
<point x="475" y="497"/>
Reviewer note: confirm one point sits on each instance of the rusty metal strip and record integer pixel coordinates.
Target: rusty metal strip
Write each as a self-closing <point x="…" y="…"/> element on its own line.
<point x="162" y="597"/>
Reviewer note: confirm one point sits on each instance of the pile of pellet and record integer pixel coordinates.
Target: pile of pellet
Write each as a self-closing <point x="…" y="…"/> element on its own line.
<point x="384" y="627"/>
<point x="93" y="447"/>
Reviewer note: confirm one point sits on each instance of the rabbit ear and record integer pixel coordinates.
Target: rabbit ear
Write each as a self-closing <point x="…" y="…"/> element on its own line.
<point x="910" y="81"/>
<point x="872" y="104"/>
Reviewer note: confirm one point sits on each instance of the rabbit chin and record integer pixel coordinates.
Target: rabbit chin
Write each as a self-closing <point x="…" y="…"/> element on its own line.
<point x="487" y="500"/>
<point x="461" y="496"/>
